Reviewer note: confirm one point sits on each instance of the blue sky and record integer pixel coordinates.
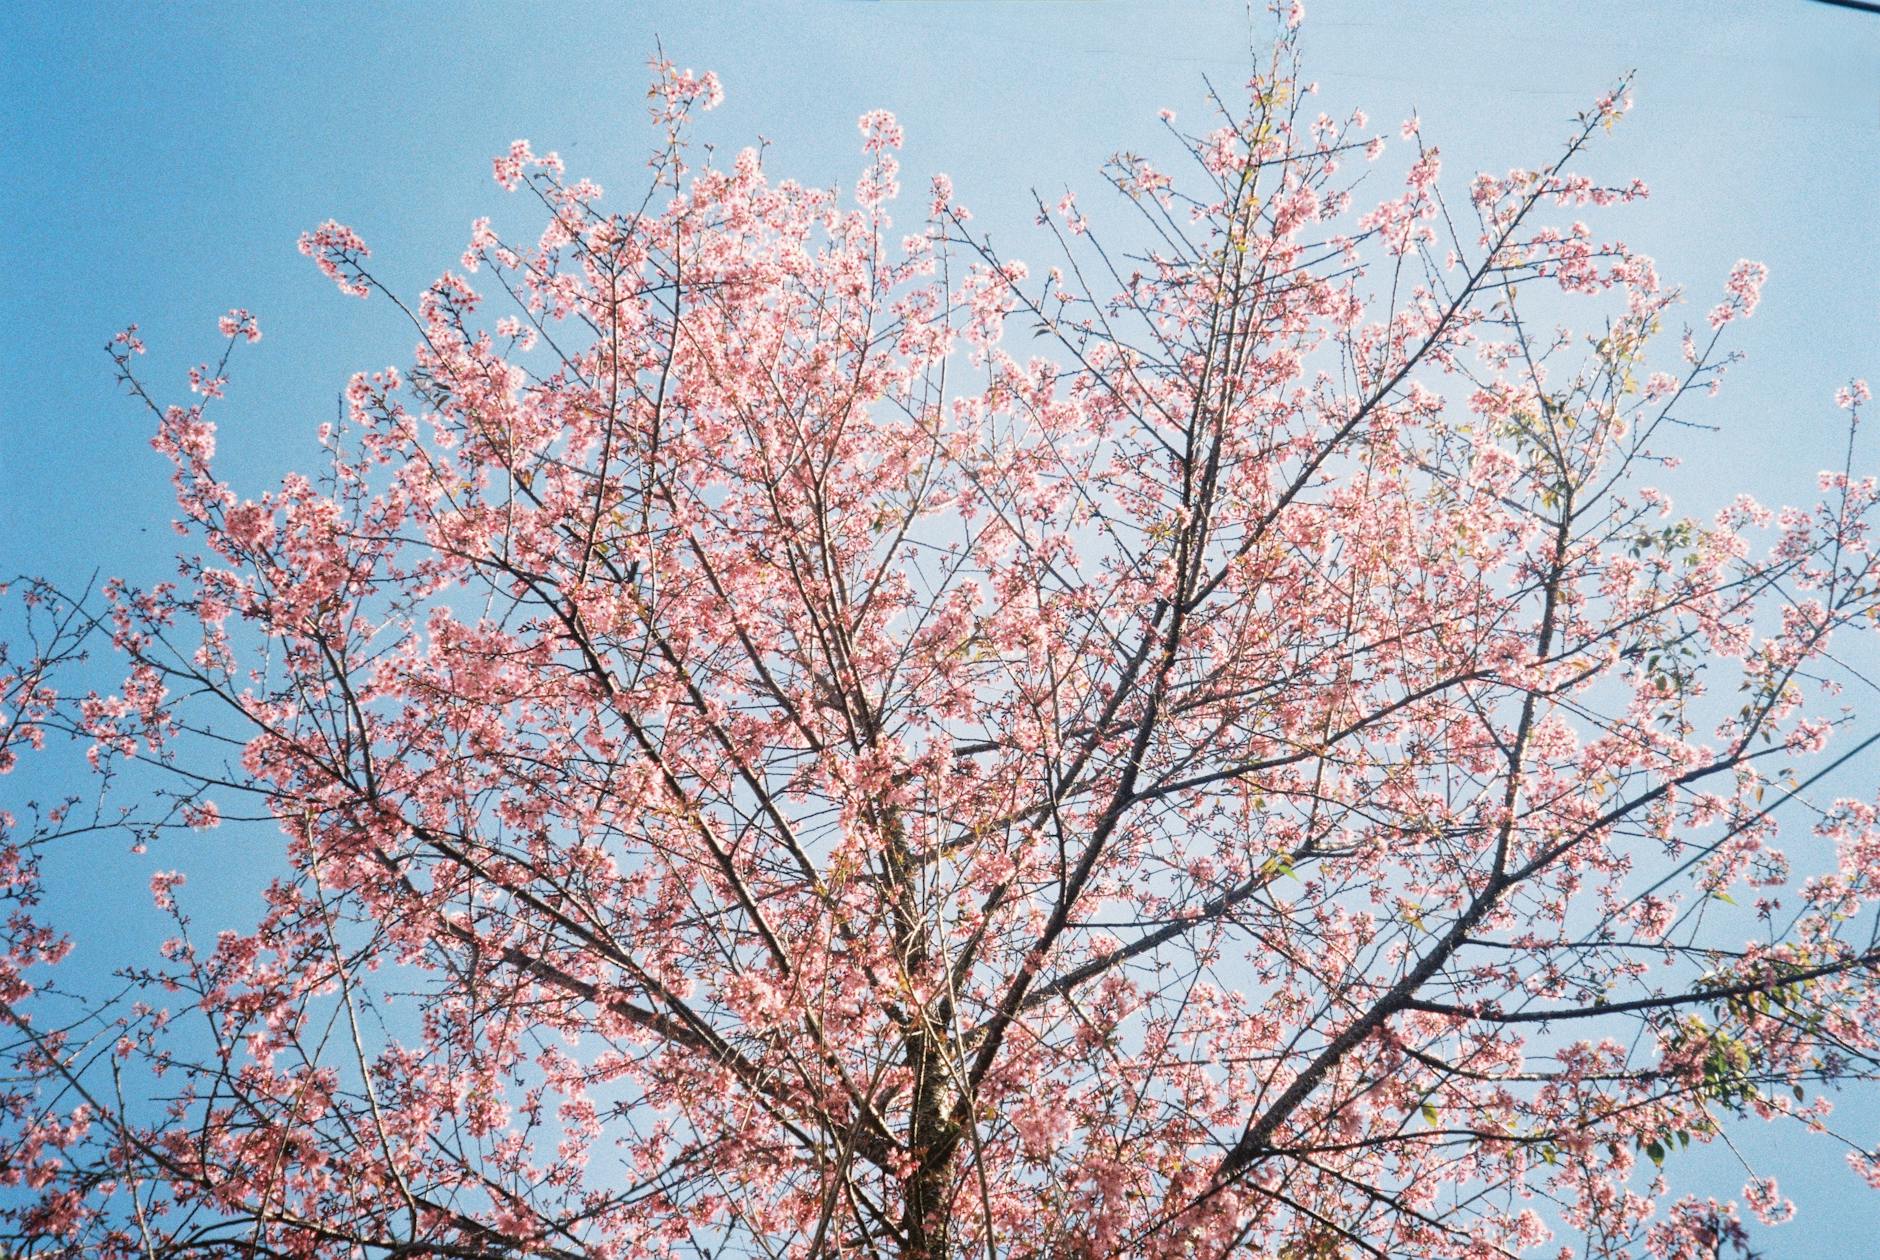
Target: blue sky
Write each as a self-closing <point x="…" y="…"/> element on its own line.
<point x="163" y="160"/>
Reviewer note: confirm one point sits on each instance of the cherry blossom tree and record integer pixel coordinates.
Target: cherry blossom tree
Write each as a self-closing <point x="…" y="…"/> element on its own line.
<point x="790" y="734"/>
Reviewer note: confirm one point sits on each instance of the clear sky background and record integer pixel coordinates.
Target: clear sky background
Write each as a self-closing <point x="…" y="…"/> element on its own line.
<point x="162" y="161"/>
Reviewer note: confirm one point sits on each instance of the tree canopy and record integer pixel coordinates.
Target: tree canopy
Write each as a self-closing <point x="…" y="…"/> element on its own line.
<point x="788" y="734"/>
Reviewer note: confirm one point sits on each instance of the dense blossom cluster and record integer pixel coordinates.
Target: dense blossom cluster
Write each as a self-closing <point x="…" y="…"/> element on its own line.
<point x="763" y="764"/>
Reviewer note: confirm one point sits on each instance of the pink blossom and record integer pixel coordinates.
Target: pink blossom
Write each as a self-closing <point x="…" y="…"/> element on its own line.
<point x="1810" y="735"/>
<point x="201" y="381"/>
<point x="162" y="886"/>
<point x="1766" y="1201"/>
<point x="1744" y="291"/>
<point x="338" y="251"/>
<point x="239" y="322"/>
<point x="879" y="131"/>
